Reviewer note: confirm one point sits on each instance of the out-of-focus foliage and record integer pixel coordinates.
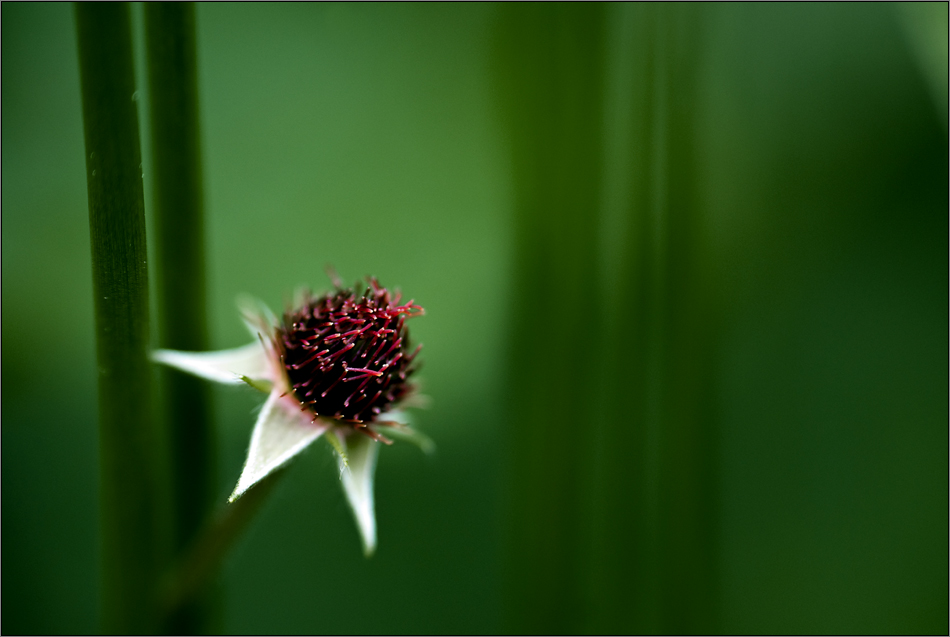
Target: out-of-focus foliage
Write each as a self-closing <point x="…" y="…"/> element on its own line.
<point x="925" y="24"/>
<point x="371" y="137"/>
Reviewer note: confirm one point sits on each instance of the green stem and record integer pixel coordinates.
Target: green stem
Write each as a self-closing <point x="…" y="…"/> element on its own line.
<point x="612" y="516"/>
<point x="624" y="569"/>
<point x="686" y="444"/>
<point x="203" y="557"/>
<point x="179" y="227"/>
<point x="120" y="284"/>
<point x="656" y="521"/>
<point x="550" y="63"/>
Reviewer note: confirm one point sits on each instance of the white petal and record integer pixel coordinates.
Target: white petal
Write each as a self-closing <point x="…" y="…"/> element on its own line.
<point x="394" y="415"/>
<point x="357" y="476"/>
<point x="258" y="318"/>
<point x="226" y="366"/>
<point x="301" y="294"/>
<point x="281" y="432"/>
<point x="400" y="431"/>
<point x="415" y="399"/>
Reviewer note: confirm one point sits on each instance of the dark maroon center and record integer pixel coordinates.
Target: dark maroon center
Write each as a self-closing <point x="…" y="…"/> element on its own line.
<point x="346" y="353"/>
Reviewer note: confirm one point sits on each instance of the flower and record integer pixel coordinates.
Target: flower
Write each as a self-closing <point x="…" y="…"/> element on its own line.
<point x="336" y="364"/>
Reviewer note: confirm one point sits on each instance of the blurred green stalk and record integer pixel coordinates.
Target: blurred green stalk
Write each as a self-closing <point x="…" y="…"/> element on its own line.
<point x="612" y="517"/>
<point x="655" y="536"/>
<point x="179" y="227"/>
<point x="687" y="481"/>
<point x="198" y="564"/>
<point x="128" y="462"/>
<point x="550" y="64"/>
<point x="624" y="532"/>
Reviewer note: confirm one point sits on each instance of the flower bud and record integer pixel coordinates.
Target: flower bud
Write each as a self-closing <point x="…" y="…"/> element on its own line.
<point x="346" y="353"/>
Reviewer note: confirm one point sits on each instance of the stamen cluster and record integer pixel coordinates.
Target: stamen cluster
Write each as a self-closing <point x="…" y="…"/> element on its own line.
<point x="346" y="353"/>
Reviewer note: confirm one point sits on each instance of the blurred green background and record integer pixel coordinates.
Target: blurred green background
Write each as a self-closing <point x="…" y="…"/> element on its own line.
<point x="370" y="137"/>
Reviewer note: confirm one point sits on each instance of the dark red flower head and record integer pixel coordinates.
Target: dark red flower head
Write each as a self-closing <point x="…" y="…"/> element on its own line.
<point x="347" y="353"/>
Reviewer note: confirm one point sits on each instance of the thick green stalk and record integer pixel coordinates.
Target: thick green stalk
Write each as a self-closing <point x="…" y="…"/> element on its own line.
<point x="624" y="540"/>
<point x="612" y="516"/>
<point x="120" y="285"/>
<point x="657" y="497"/>
<point x="687" y="444"/>
<point x="550" y="63"/>
<point x="179" y="227"/>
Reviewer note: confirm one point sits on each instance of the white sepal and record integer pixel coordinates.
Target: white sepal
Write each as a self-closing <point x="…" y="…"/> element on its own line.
<point x="281" y="432"/>
<point x="258" y="318"/>
<point x="400" y="431"/>
<point x="394" y="415"/>
<point x="357" y="477"/>
<point x="225" y="366"/>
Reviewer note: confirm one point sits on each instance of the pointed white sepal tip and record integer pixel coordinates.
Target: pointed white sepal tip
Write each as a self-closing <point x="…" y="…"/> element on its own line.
<point x="225" y="366"/>
<point x="400" y="431"/>
<point x="281" y="432"/>
<point x="357" y="478"/>
<point x="258" y="318"/>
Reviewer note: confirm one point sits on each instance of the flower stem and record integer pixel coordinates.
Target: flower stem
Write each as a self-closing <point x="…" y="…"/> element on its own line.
<point x="179" y="226"/>
<point x="197" y="565"/>
<point x="128" y="460"/>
